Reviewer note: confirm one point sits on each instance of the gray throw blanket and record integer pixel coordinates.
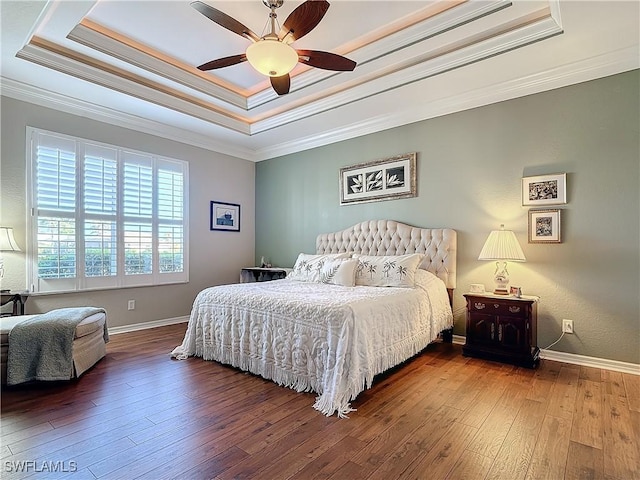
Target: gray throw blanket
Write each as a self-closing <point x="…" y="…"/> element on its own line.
<point x="41" y="348"/>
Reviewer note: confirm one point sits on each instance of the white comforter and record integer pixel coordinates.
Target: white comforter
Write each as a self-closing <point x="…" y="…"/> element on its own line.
<point x="316" y="337"/>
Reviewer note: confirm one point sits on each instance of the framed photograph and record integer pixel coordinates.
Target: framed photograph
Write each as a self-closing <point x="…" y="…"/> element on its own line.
<point x="544" y="190"/>
<point x="386" y="179"/>
<point x="544" y="226"/>
<point x="224" y="216"/>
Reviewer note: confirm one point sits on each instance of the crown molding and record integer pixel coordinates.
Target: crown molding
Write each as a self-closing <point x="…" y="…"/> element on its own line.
<point x="56" y="57"/>
<point x="104" y="40"/>
<point x="377" y="74"/>
<point x="417" y="65"/>
<point x="406" y="37"/>
<point x="577" y="72"/>
<point x="589" y="69"/>
<point x="66" y="104"/>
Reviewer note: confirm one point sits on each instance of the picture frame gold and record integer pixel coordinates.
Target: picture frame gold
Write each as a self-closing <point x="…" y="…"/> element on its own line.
<point x="545" y="226"/>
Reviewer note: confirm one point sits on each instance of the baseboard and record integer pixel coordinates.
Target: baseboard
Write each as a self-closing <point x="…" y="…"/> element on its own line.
<point x="583" y="360"/>
<point x="624" y="367"/>
<point x="146" y="325"/>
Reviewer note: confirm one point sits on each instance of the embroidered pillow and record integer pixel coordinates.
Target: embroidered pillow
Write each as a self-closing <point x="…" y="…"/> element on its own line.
<point x="387" y="271"/>
<point x="339" y="271"/>
<point x="308" y="267"/>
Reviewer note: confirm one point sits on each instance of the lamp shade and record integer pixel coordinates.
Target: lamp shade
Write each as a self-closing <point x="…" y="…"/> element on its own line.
<point x="7" y="242"/>
<point x="272" y="57"/>
<point x="502" y="245"/>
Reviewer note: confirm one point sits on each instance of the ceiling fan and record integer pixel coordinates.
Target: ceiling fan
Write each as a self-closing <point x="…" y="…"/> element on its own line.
<point x="272" y="54"/>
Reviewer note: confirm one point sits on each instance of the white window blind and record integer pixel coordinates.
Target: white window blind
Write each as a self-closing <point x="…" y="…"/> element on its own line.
<point x="103" y="216"/>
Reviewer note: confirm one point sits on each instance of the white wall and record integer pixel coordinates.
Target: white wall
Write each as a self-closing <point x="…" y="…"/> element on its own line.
<point x="215" y="257"/>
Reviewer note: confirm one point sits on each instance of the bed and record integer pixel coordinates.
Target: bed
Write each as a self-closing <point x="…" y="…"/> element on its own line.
<point x="316" y="331"/>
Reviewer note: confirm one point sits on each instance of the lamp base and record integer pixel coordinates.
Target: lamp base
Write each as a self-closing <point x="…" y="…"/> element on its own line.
<point x="501" y="279"/>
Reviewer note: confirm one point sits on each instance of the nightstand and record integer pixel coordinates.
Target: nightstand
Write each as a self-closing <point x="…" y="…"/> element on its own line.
<point x="262" y="274"/>
<point x="502" y="328"/>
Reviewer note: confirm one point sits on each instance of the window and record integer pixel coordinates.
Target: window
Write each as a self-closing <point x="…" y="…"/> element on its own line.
<point x="104" y="216"/>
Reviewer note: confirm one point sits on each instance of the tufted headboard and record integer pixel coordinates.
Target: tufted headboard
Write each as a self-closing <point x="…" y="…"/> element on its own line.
<point x="387" y="237"/>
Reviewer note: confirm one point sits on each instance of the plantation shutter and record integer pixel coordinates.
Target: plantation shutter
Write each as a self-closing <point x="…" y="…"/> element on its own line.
<point x="104" y="217"/>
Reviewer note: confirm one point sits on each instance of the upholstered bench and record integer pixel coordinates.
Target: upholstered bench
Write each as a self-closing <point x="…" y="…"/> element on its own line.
<point x="88" y="345"/>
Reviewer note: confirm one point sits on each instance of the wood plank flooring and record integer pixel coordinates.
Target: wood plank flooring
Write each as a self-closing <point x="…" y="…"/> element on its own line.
<point x="140" y="414"/>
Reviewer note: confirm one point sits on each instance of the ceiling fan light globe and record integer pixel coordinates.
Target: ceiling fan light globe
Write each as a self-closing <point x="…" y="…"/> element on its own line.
<point x="272" y="57"/>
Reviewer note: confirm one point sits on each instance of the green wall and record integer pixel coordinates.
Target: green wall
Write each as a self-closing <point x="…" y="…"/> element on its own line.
<point x="469" y="170"/>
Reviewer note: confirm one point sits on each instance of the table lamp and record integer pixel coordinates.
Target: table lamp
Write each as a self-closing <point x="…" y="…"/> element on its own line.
<point x="502" y="245"/>
<point x="7" y="244"/>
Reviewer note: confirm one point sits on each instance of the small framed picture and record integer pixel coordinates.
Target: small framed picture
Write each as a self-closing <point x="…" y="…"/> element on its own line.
<point x="224" y="216"/>
<point x="515" y="292"/>
<point x="544" y="190"/>
<point x="544" y="226"/>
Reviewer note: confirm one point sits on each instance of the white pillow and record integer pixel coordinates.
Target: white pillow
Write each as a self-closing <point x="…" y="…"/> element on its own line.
<point x="308" y="267"/>
<point x="339" y="271"/>
<point x="388" y="270"/>
<point x="425" y="279"/>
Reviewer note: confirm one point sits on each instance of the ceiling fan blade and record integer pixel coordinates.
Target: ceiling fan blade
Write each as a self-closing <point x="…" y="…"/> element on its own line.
<point x="223" y="62"/>
<point x="281" y="84"/>
<point x="326" y="60"/>
<point x="225" y="20"/>
<point x="303" y="19"/>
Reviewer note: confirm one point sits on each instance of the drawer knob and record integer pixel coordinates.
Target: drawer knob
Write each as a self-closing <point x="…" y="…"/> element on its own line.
<point x="514" y="309"/>
<point x="479" y="306"/>
<point x="496" y="305"/>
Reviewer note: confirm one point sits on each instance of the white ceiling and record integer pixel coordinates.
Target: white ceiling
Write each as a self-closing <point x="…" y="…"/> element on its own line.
<point x="132" y="63"/>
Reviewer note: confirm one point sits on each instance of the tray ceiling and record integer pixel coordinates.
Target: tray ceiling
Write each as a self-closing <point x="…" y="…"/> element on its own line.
<point x="133" y="64"/>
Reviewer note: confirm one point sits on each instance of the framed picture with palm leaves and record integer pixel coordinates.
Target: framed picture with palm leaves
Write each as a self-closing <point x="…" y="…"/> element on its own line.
<point x="385" y="179"/>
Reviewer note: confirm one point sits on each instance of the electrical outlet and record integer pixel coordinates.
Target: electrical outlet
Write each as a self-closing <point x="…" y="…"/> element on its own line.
<point x="131" y="305"/>
<point x="567" y="326"/>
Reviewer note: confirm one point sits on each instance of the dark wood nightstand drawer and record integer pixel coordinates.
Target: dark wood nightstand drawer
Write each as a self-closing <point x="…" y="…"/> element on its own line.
<point x="490" y="306"/>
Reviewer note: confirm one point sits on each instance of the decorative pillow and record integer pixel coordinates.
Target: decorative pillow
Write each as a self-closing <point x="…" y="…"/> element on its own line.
<point x="387" y="271"/>
<point x="339" y="271"/>
<point x="308" y="267"/>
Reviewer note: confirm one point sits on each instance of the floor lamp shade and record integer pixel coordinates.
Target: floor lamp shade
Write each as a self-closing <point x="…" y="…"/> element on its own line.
<point x="501" y="246"/>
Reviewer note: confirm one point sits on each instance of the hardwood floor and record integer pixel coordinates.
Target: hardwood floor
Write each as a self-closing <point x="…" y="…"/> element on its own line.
<point x="140" y="414"/>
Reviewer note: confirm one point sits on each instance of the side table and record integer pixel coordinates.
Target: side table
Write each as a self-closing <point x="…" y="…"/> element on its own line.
<point x="260" y="274"/>
<point x="502" y="328"/>
<point x="18" y="299"/>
